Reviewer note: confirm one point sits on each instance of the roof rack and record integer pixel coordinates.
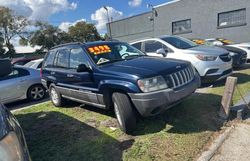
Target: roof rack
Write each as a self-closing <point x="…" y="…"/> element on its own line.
<point x="71" y="43"/>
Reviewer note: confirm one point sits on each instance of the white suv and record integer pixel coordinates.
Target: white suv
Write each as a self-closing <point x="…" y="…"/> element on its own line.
<point x="212" y="63"/>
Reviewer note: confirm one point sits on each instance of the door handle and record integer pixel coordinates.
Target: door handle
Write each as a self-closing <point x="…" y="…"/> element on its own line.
<point x="52" y="73"/>
<point x="70" y="75"/>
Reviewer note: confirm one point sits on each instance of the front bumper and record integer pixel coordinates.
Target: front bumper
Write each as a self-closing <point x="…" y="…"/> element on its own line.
<point x="239" y="60"/>
<point x="153" y="103"/>
<point x="216" y="77"/>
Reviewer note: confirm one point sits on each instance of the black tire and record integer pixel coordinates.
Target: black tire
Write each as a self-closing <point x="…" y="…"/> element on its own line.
<point x="124" y="112"/>
<point x="52" y="92"/>
<point x="36" y="92"/>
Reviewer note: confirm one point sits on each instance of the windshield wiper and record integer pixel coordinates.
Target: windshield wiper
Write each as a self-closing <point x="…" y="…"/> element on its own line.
<point x="111" y="61"/>
<point x="133" y="56"/>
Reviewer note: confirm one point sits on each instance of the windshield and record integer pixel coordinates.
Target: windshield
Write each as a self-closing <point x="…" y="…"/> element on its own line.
<point x="180" y="43"/>
<point x="111" y="52"/>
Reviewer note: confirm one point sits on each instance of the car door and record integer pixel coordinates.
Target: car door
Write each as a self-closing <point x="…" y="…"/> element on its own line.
<point x="12" y="86"/>
<point x="60" y="70"/>
<point x="81" y="84"/>
<point x="83" y="81"/>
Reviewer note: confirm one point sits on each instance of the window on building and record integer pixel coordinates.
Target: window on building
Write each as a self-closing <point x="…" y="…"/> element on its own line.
<point x="183" y="26"/>
<point x="232" y="18"/>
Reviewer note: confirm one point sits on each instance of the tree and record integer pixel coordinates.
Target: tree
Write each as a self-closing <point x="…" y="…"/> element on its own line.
<point x="106" y="37"/>
<point x="11" y="25"/>
<point x="2" y="50"/>
<point x="84" y="32"/>
<point x="48" y="36"/>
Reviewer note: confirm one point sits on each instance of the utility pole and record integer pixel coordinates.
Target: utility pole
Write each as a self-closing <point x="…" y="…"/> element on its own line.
<point x="109" y="26"/>
<point x="152" y="17"/>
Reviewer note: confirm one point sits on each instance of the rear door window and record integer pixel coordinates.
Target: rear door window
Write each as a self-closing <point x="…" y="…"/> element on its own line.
<point x="49" y="60"/>
<point x="152" y="46"/>
<point x="137" y="45"/>
<point x="62" y="59"/>
<point x="16" y="73"/>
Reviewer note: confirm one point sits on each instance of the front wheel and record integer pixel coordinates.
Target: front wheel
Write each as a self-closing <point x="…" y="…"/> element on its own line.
<point x="124" y="112"/>
<point x="36" y="92"/>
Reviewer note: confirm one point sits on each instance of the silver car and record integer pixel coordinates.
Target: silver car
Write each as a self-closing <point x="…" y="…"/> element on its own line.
<point x="212" y="63"/>
<point x="34" y="64"/>
<point x="21" y="83"/>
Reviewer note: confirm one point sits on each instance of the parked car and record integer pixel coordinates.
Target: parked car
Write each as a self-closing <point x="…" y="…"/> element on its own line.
<point x="20" y="84"/>
<point x="13" y="146"/>
<point x="21" y="61"/>
<point x="35" y="64"/>
<point x="212" y="63"/>
<point x="116" y="75"/>
<point x="218" y="41"/>
<point x="198" y="41"/>
<point x="239" y="56"/>
<point x="12" y="142"/>
<point x="245" y="47"/>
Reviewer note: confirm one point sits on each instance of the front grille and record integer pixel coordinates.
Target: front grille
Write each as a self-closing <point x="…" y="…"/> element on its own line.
<point x="180" y="78"/>
<point x="225" y="57"/>
<point x="227" y="72"/>
<point x="243" y="58"/>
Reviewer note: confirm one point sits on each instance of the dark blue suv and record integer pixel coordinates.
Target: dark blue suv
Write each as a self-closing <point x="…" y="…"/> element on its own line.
<point x="115" y="75"/>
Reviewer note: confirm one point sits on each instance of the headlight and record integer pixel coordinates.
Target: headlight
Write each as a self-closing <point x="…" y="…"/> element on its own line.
<point x="232" y="53"/>
<point x="10" y="148"/>
<point x="206" y="57"/>
<point x="152" y="84"/>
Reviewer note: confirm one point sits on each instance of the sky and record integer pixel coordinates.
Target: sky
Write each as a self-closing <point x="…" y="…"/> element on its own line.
<point x="65" y="13"/>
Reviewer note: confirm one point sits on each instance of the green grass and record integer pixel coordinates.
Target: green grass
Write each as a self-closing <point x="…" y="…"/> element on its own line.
<point x="84" y="133"/>
<point x="243" y="84"/>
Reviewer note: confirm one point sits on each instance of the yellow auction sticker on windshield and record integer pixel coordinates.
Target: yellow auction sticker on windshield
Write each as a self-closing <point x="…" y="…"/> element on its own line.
<point x="101" y="49"/>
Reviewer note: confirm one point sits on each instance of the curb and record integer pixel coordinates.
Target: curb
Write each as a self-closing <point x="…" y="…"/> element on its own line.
<point x="207" y="155"/>
<point x="27" y="107"/>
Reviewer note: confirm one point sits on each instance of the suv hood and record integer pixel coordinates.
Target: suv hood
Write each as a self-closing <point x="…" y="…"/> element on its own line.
<point x="146" y="66"/>
<point x="206" y="50"/>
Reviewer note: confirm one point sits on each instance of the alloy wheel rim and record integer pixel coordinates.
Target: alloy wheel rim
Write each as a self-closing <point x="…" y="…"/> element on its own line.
<point x="37" y="93"/>
<point x="54" y="96"/>
<point x="117" y="113"/>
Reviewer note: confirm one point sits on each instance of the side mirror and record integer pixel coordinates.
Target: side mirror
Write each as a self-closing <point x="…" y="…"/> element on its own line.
<point x="82" y="68"/>
<point x="162" y="52"/>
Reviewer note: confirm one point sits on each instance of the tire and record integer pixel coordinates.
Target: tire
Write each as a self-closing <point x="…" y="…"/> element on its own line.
<point x="55" y="96"/>
<point x="124" y="112"/>
<point x="36" y="92"/>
